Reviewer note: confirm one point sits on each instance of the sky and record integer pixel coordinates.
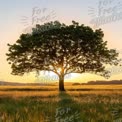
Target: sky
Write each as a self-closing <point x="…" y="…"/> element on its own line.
<point x="17" y="17"/>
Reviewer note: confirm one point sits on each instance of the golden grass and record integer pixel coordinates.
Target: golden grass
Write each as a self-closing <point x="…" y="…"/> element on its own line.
<point x="35" y="103"/>
<point x="45" y="91"/>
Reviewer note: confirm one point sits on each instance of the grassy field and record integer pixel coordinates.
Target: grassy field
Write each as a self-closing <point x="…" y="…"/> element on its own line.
<point x="80" y="103"/>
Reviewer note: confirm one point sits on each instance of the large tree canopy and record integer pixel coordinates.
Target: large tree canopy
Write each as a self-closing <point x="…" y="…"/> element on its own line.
<point x="62" y="49"/>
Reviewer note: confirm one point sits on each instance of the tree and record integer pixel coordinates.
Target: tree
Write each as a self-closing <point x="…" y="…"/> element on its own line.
<point x="62" y="49"/>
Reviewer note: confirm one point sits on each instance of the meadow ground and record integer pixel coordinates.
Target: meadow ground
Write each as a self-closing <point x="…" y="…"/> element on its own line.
<point x="79" y="103"/>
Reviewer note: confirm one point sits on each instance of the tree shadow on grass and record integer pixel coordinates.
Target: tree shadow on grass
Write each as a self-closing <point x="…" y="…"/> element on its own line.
<point x="67" y="109"/>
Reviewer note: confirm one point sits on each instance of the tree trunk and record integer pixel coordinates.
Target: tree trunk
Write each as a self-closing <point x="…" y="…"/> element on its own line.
<point x="61" y="83"/>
